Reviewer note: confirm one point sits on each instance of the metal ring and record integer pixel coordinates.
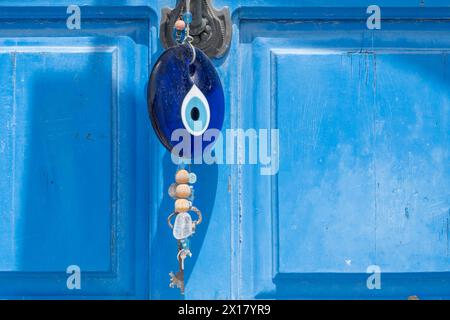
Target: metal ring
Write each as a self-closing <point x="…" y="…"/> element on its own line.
<point x="199" y="214"/>
<point x="194" y="54"/>
<point x="170" y="218"/>
<point x="194" y="209"/>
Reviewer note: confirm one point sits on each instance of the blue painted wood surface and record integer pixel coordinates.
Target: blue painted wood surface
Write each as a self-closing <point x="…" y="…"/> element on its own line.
<point x="364" y="175"/>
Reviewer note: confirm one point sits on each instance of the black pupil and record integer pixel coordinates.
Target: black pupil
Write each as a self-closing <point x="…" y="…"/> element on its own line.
<point x="195" y="114"/>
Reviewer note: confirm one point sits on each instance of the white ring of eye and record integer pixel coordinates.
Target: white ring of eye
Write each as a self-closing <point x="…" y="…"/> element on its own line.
<point x="195" y="92"/>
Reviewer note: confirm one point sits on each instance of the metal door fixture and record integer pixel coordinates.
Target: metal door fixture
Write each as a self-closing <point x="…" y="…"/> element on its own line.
<point x="210" y="28"/>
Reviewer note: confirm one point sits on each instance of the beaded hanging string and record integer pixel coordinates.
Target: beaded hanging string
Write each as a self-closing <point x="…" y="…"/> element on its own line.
<point x="182" y="190"/>
<point x="182" y="26"/>
<point x="184" y="227"/>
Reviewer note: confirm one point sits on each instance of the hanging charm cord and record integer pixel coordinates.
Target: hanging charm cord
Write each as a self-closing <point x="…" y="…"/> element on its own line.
<point x="188" y="39"/>
<point x="181" y="191"/>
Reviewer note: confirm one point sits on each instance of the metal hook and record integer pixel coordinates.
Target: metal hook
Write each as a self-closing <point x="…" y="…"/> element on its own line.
<point x="194" y="53"/>
<point x="211" y="29"/>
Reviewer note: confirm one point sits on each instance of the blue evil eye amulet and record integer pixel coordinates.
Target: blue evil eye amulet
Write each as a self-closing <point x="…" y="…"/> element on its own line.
<point x="184" y="92"/>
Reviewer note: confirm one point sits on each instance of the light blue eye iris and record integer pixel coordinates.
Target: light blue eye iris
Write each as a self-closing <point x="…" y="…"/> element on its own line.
<point x="195" y="112"/>
<point x="195" y="115"/>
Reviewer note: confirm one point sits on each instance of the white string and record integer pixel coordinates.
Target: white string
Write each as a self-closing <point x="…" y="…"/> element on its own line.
<point x="188" y="9"/>
<point x="189" y="38"/>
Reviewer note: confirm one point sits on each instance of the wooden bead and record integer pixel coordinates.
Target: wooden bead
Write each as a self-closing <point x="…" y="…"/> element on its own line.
<point x="183" y="191"/>
<point x="182" y="205"/>
<point x="180" y="25"/>
<point x="182" y="176"/>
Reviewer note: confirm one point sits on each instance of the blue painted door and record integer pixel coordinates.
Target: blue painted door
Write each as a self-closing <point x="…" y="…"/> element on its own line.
<point x="363" y="175"/>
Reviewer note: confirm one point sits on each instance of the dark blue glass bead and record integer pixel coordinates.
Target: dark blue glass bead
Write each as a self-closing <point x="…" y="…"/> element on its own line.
<point x="184" y="96"/>
<point x="179" y="35"/>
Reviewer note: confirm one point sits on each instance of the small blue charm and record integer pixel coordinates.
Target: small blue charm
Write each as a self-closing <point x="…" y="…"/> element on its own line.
<point x="187" y="17"/>
<point x="184" y="92"/>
